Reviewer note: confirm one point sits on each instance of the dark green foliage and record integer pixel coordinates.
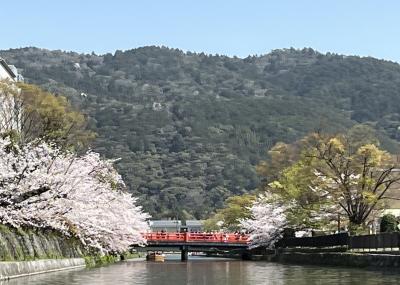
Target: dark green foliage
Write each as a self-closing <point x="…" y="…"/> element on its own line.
<point x="191" y="127"/>
<point x="389" y="224"/>
<point x="289" y="233"/>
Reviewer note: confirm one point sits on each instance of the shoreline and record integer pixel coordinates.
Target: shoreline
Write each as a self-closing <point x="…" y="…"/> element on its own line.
<point x="342" y="259"/>
<point x="16" y="269"/>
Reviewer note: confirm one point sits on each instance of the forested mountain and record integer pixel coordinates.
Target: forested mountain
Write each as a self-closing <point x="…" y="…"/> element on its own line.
<point x="189" y="128"/>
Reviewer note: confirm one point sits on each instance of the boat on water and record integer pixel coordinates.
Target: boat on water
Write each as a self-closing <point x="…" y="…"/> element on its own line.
<point x="155" y="256"/>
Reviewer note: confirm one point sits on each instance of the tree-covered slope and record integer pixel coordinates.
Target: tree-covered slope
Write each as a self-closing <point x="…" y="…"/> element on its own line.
<point x="189" y="128"/>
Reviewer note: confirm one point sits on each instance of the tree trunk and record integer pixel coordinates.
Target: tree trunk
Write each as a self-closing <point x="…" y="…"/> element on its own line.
<point x="356" y="224"/>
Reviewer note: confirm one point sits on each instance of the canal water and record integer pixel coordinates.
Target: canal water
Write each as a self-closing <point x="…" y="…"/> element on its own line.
<point x="209" y="271"/>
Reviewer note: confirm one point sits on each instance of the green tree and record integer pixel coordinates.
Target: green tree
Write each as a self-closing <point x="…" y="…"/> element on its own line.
<point x="52" y="118"/>
<point x="296" y="186"/>
<point x="281" y="155"/>
<point x="389" y="224"/>
<point x="337" y="174"/>
<point x="357" y="178"/>
<point x="237" y="207"/>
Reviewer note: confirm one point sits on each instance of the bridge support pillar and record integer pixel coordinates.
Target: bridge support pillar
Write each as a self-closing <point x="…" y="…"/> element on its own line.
<point x="246" y="255"/>
<point x="184" y="254"/>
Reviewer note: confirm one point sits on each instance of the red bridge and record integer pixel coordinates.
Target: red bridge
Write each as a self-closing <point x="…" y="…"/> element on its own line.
<point x="196" y="242"/>
<point x="196" y="238"/>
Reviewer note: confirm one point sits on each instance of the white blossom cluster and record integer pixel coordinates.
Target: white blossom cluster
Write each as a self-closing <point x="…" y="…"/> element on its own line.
<point x="80" y="196"/>
<point x="266" y="224"/>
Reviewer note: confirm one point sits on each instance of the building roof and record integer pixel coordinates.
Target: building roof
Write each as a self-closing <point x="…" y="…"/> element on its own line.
<point x="7" y="68"/>
<point x="194" y="223"/>
<point x="165" y="223"/>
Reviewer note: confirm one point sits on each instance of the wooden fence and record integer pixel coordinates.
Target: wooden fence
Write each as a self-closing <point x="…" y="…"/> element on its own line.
<point x="378" y="241"/>
<point x="318" y="241"/>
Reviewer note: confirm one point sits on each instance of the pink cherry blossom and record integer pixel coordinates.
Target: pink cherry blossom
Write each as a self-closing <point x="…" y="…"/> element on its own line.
<point x="81" y="196"/>
<point x="267" y="222"/>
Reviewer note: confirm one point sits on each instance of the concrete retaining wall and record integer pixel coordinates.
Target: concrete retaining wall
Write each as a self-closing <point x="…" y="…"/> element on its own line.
<point x="15" y="269"/>
<point x="30" y="244"/>
<point x="26" y="251"/>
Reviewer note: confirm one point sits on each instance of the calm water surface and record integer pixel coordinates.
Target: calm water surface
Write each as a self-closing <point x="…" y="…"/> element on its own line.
<point x="210" y="272"/>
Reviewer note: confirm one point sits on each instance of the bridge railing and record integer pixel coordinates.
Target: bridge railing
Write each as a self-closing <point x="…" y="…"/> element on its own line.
<point x="197" y="237"/>
<point x="178" y="237"/>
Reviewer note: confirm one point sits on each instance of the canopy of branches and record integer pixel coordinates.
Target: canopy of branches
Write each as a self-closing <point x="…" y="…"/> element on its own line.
<point x="333" y="174"/>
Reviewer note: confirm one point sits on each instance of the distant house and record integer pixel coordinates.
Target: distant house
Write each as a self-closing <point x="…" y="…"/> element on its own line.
<point x="18" y="76"/>
<point x="392" y="204"/>
<point x="389" y="206"/>
<point x="10" y="111"/>
<point x="195" y="225"/>
<point x="176" y="226"/>
<point x="9" y="72"/>
<point x="6" y="72"/>
<point x="165" y="225"/>
<point x="157" y="106"/>
<point x="392" y="207"/>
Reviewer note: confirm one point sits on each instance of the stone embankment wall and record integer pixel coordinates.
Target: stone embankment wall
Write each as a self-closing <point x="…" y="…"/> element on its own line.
<point x="28" y="244"/>
<point x="28" y="251"/>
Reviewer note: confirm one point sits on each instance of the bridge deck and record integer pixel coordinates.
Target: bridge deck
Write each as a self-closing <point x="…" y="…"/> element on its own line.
<point x="226" y="240"/>
<point x="200" y="242"/>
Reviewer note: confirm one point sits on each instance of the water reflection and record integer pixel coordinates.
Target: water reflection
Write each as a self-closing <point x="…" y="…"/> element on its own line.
<point x="205" y="271"/>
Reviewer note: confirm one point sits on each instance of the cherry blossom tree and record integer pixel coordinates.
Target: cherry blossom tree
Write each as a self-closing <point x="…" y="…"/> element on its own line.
<point x="267" y="222"/>
<point x="324" y="177"/>
<point x="81" y="196"/>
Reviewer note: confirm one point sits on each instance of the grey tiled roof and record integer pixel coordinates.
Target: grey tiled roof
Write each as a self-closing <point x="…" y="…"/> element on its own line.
<point x="194" y="223"/>
<point x="165" y="223"/>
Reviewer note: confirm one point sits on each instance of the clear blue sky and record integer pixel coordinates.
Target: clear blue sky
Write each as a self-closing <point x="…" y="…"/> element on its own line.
<point x="361" y="27"/>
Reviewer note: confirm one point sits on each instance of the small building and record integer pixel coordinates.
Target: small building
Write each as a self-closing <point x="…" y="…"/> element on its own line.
<point x="157" y="106"/>
<point x="392" y="203"/>
<point x="176" y="226"/>
<point x="18" y="76"/>
<point x="195" y="225"/>
<point x="10" y="105"/>
<point x="6" y="72"/>
<point x="9" y="72"/>
<point x="165" y="225"/>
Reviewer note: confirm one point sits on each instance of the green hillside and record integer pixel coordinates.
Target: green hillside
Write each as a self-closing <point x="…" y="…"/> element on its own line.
<point x="189" y="128"/>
